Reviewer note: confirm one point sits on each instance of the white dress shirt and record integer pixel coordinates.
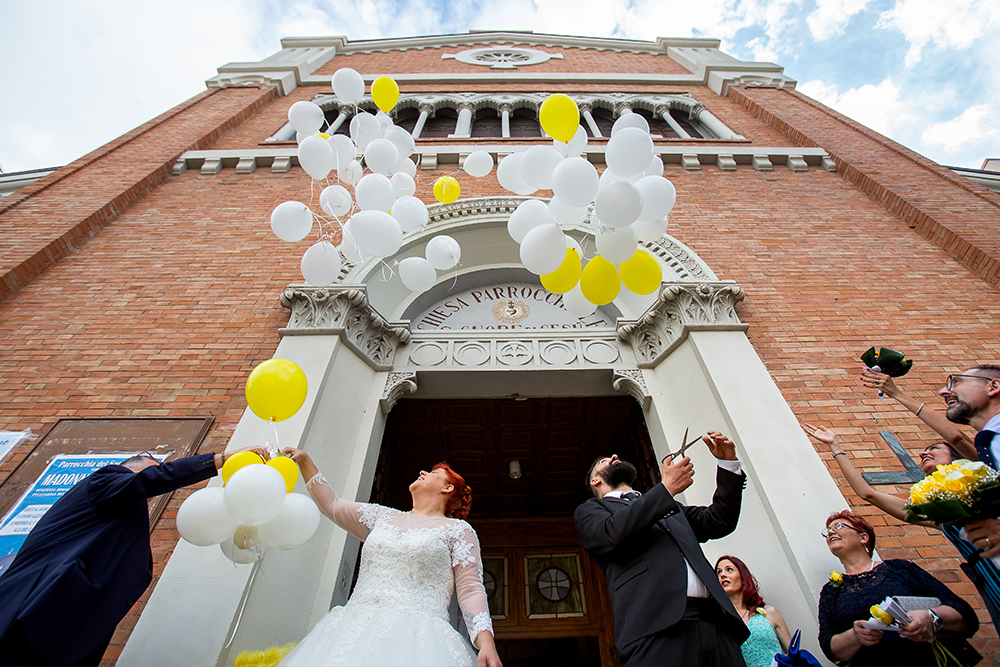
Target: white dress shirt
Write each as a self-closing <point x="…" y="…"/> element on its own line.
<point x="994" y="425"/>
<point x="695" y="587"/>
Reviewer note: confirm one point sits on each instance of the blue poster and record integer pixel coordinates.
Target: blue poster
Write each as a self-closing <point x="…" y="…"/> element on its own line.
<point x="59" y="476"/>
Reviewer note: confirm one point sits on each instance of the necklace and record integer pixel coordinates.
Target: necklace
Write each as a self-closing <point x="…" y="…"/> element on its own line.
<point x="871" y="566"/>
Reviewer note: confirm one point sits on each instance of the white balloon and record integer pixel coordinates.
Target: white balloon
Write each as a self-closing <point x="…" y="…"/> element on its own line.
<point x="348" y="85"/>
<point x="655" y="167"/>
<point x="618" y="204"/>
<point x="365" y="129"/>
<point x="566" y="214"/>
<point x="403" y="185"/>
<point x="576" y="303"/>
<point x="294" y="525"/>
<point x="617" y="245"/>
<point x="384" y="121"/>
<point x="254" y="494"/>
<point x="509" y="175"/>
<point x="348" y="246"/>
<point x="443" y="252"/>
<point x="478" y="164"/>
<point x="306" y="117"/>
<point x="578" y="143"/>
<point x="381" y="156"/>
<point x="376" y="232"/>
<point x="650" y="230"/>
<point x="316" y="157"/>
<point x="401" y="139"/>
<point x="630" y="119"/>
<point x="543" y="249"/>
<point x="573" y="244"/>
<point x="528" y="215"/>
<point x="629" y="151"/>
<point x="658" y="197"/>
<point x="608" y="176"/>
<point x="238" y="555"/>
<point x="320" y="264"/>
<point x="352" y="173"/>
<point x="417" y="274"/>
<point x="374" y="192"/>
<point x="407" y="166"/>
<point x="203" y="518"/>
<point x="335" y="200"/>
<point x="291" y="221"/>
<point x="575" y="181"/>
<point x="410" y="212"/>
<point x="299" y="136"/>
<point x="537" y="165"/>
<point x="561" y="148"/>
<point x="344" y="148"/>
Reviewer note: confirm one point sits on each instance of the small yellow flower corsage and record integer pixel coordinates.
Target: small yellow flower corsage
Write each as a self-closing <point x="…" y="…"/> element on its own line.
<point x="762" y="611"/>
<point x="836" y="578"/>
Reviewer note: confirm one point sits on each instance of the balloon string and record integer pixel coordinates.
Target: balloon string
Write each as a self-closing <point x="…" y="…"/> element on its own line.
<point x="243" y="602"/>
<point x="277" y="443"/>
<point x="455" y="281"/>
<point x="391" y="272"/>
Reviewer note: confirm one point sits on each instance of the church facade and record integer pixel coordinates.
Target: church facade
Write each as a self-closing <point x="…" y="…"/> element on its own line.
<point x="142" y="282"/>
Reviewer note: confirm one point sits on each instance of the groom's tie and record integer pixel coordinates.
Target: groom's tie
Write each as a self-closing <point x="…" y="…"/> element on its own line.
<point x="983" y="441"/>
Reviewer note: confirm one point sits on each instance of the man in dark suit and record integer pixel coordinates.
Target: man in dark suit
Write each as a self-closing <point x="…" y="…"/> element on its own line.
<point x="668" y="604"/>
<point x="87" y="561"/>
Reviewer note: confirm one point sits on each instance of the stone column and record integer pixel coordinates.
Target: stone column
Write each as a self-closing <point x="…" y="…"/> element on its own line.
<point x="463" y="128"/>
<point x="586" y="109"/>
<point x="505" y="111"/>
<point x="425" y="110"/>
<point x="345" y="113"/>
<point x="664" y="113"/>
<point x="716" y="126"/>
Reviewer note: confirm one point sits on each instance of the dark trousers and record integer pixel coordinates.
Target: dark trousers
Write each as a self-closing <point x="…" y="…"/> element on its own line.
<point x="14" y="650"/>
<point x="699" y="638"/>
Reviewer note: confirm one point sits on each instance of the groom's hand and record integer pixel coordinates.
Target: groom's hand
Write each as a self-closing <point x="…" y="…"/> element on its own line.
<point x="721" y="447"/>
<point x="677" y="476"/>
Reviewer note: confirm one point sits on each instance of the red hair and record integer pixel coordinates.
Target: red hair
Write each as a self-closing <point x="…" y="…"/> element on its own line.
<point x="460" y="499"/>
<point x="859" y="524"/>
<point x="751" y="589"/>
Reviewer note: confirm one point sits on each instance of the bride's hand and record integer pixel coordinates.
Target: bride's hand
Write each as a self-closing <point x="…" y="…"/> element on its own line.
<point x="296" y="455"/>
<point x="488" y="656"/>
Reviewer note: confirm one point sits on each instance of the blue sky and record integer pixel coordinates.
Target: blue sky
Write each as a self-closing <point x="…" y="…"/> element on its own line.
<point x="77" y="75"/>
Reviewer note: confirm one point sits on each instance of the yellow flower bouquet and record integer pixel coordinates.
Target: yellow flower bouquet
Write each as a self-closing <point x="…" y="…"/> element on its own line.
<point x="956" y="493"/>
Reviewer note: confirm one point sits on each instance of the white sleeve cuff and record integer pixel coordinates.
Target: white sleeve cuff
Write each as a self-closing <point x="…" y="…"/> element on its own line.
<point x="735" y="467"/>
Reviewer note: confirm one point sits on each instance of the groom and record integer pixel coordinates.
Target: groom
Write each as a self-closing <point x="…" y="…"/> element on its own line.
<point x="668" y="604"/>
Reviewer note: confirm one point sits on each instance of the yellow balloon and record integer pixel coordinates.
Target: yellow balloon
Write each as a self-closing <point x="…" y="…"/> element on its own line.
<point x="289" y="471"/>
<point x="276" y="389"/>
<point x="566" y="276"/>
<point x="238" y="461"/>
<point x="600" y="282"/>
<point x="446" y="189"/>
<point x="560" y="117"/>
<point x="385" y="93"/>
<point x="322" y="135"/>
<point x="642" y="274"/>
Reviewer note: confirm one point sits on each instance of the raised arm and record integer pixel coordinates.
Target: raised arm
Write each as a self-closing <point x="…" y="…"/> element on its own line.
<point x="950" y="431"/>
<point x="348" y="515"/>
<point x="467" y="564"/>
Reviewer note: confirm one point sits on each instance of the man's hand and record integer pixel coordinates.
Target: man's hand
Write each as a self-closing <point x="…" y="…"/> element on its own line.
<point x="985" y="534"/>
<point x="721" y="447"/>
<point x="677" y="476"/>
<point x="222" y="457"/>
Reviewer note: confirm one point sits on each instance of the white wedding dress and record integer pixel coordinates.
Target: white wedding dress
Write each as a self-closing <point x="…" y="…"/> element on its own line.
<point x="411" y="565"/>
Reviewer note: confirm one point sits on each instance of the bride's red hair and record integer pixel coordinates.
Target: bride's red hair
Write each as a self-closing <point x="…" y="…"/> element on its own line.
<point x="461" y="498"/>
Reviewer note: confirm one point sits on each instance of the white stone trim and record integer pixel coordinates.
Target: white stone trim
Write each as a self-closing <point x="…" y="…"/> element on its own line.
<point x="522" y="57"/>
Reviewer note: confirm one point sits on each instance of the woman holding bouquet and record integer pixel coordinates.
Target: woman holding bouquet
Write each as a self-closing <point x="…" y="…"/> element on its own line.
<point x="846" y="601"/>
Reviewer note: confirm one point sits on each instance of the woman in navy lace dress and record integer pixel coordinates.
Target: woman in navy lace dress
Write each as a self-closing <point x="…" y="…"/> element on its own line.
<point x="846" y="599"/>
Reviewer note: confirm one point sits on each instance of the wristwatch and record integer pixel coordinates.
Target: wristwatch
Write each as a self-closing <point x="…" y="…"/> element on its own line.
<point x="935" y="620"/>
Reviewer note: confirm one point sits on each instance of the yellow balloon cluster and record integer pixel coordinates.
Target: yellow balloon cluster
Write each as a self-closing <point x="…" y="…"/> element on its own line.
<point x="446" y="189"/>
<point x="288" y="469"/>
<point x="238" y="461"/>
<point x="276" y="389"/>
<point x="284" y="465"/>
<point x="560" y="117"/>
<point x="566" y="276"/>
<point x="600" y="282"/>
<point x="385" y="93"/>
<point x="641" y="274"/>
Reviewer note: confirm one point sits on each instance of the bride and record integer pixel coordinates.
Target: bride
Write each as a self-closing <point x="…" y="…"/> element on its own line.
<point x="411" y="565"/>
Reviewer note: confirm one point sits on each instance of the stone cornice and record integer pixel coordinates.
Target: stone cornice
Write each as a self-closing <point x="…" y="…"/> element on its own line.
<point x="679" y="309"/>
<point x="344" y="310"/>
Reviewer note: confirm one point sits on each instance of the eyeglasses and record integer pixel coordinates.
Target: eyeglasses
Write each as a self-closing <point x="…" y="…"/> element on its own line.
<point x="951" y="379"/>
<point x="836" y="528"/>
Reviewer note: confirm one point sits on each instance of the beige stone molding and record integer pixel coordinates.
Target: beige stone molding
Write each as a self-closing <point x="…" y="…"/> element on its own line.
<point x="535" y="349"/>
<point x="396" y="385"/>
<point x="679" y="309"/>
<point x="344" y="310"/>
<point x="630" y="381"/>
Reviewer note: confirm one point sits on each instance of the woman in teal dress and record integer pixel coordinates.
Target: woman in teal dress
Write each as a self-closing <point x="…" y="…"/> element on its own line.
<point x="768" y="633"/>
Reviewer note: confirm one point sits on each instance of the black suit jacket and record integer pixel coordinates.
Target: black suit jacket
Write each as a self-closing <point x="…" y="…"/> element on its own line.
<point x="642" y="544"/>
<point x="88" y="559"/>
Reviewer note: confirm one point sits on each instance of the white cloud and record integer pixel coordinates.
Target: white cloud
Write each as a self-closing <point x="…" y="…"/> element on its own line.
<point x="974" y="125"/>
<point x="954" y="24"/>
<point x="878" y="107"/>
<point x="831" y="17"/>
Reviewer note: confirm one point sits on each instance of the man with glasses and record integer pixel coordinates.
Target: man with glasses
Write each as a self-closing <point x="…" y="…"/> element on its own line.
<point x="87" y="561"/>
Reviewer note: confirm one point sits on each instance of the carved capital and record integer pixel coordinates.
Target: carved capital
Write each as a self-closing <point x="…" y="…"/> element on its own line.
<point x="586" y="108"/>
<point x="679" y="309"/>
<point x="630" y="381"/>
<point x="622" y="107"/>
<point x="507" y="108"/>
<point x="426" y="108"/>
<point x="396" y="385"/>
<point x="346" y="109"/>
<point x="344" y="311"/>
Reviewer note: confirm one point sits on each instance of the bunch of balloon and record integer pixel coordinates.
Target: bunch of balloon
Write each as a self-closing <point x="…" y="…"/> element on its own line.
<point x="255" y="509"/>
<point x="630" y="200"/>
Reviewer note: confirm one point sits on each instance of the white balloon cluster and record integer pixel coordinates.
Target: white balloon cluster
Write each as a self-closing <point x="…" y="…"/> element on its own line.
<point x="250" y="515"/>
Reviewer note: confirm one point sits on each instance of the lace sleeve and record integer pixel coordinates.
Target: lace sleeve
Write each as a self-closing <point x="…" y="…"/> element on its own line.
<point x="468" y="568"/>
<point x="356" y="518"/>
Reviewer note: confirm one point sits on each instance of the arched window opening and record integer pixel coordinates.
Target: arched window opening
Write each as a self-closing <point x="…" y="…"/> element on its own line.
<point x="487" y="124"/>
<point x="407" y="118"/>
<point x="605" y="121"/>
<point x="657" y="126"/>
<point x="684" y="120"/>
<point x="440" y="125"/>
<point x="524" y="123"/>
